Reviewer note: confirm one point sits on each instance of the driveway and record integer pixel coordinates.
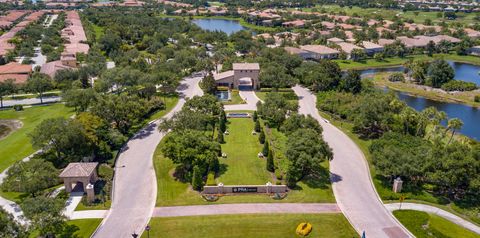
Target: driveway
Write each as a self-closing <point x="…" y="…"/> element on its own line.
<point x="30" y="101"/>
<point x="351" y="181"/>
<point x="248" y="96"/>
<point x="135" y="185"/>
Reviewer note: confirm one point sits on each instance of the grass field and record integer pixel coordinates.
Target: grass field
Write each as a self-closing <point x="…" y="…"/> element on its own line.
<point x="16" y="146"/>
<point x="86" y="227"/>
<point x="235" y="98"/>
<point x="241" y="167"/>
<point x="170" y="104"/>
<point x="255" y="226"/>
<point x="422" y="224"/>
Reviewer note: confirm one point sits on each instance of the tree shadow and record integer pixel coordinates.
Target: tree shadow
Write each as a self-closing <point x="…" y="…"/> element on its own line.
<point x="222" y="169"/>
<point x="69" y="232"/>
<point x="320" y="179"/>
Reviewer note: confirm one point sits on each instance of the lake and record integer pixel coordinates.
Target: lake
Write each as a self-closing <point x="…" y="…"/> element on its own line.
<point x="227" y="26"/>
<point x="469" y="115"/>
<point x="463" y="71"/>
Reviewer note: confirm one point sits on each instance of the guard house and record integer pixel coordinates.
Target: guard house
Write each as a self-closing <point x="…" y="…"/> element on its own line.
<point x="80" y="177"/>
<point x="243" y="76"/>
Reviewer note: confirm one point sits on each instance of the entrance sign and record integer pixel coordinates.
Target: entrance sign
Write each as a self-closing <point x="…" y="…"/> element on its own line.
<point x="244" y="189"/>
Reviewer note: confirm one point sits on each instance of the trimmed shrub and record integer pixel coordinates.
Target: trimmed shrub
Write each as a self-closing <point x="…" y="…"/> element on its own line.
<point x="18" y="108"/>
<point x="266" y="149"/>
<point x="458" y="85"/>
<point x="255" y="116"/>
<point x="279" y="90"/>
<point x="197" y="179"/>
<point x="257" y="126"/>
<point x="220" y="138"/>
<point x="270" y="163"/>
<point x="476" y="98"/>
<point x="261" y="137"/>
<point x="396" y="77"/>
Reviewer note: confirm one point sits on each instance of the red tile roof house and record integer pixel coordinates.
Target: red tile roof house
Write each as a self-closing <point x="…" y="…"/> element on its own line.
<point x="14" y="70"/>
<point x="297" y="51"/>
<point x="348" y="48"/>
<point x="75" y="37"/>
<point x="372" y="48"/>
<point x="318" y="52"/>
<point x="472" y="33"/>
<point x="296" y="23"/>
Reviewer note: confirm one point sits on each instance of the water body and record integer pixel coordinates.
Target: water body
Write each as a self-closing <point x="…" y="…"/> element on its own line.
<point x="463" y="71"/>
<point x="469" y="115"/>
<point x="227" y="26"/>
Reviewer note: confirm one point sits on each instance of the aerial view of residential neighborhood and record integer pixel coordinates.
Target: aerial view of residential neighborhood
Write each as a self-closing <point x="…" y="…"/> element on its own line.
<point x="239" y="119"/>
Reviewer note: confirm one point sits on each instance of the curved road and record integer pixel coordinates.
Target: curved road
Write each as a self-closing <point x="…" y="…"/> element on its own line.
<point x="351" y="181"/>
<point x="135" y="185"/>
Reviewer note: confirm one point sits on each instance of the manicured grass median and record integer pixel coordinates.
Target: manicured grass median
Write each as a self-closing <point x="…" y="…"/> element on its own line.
<point x="423" y="224"/>
<point x="242" y="166"/>
<point x="244" y="226"/>
<point x="16" y="146"/>
<point x="86" y="227"/>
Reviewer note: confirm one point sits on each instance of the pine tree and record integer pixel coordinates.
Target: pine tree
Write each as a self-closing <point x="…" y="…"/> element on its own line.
<point x="255" y="116"/>
<point x="261" y="137"/>
<point x="266" y="149"/>
<point x="197" y="179"/>
<point x="220" y="138"/>
<point x="257" y="126"/>
<point x="270" y="163"/>
<point x="222" y="126"/>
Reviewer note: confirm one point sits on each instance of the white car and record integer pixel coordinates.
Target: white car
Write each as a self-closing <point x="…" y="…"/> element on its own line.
<point x="326" y="121"/>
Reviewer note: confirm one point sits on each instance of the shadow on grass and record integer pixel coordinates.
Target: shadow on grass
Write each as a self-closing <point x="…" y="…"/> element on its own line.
<point x="222" y="169"/>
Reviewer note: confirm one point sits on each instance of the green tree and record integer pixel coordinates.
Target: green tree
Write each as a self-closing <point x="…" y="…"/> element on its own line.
<point x="9" y="227"/>
<point x="39" y="83"/>
<point x="209" y="85"/>
<point x="7" y="87"/>
<point x="352" y="82"/>
<point x="255" y="116"/>
<point x="261" y="137"/>
<point x="197" y="179"/>
<point x="305" y="152"/>
<point x="431" y="48"/>
<point x="454" y="124"/>
<point x="79" y="99"/>
<point x="220" y="138"/>
<point x="65" y="138"/>
<point x="266" y="149"/>
<point x="257" y="126"/>
<point x="30" y="177"/>
<point x="440" y="72"/>
<point x="270" y="162"/>
<point x="45" y="214"/>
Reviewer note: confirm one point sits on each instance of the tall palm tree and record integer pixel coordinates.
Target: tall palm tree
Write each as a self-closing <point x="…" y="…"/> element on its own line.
<point x="454" y="124"/>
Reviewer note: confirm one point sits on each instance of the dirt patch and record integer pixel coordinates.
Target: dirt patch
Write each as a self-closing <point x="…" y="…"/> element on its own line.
<point x="9" y="126"/>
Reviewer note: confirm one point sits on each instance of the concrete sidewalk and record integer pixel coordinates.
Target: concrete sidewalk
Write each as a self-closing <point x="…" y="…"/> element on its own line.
<point x="88" y="214"/>
<point x="245" y="208"/>
<point x="437" y="211"/>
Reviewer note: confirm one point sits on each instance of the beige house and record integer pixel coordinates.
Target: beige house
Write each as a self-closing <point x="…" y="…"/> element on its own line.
<point x="80" y="177"/>
<point x="318" y="52"/>
<point x="242" y="75"/>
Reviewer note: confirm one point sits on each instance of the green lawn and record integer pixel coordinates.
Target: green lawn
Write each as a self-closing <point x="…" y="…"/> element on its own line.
<point x="16" y="146"/>
<point x="235" y="98"/>
<point x="423" y="224"/>
<point x="170" y="104"/>
<point x="244" y="226"/>
<point x="240" y="167"/>
<point x="86" y="227"/>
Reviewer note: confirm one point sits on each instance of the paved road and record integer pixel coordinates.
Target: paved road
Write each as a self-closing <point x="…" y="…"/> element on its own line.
<point x="245" y="208"/>
<point x="250" y="97"/>
<point x="351" y="181"/>
<point x="437" y="211"/>
<point x="30" y="101"/>
<point x="135" y="186"/>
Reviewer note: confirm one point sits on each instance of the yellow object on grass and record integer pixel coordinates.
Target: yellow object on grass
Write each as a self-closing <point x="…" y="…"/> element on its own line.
<point x="304" y="228"/>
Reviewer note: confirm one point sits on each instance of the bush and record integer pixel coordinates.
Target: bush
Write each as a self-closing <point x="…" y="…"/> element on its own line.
<point x="396" y="77"/>
<point x="458" y="85"/>
<point x="284" y="90"/>
<point x="270" y="163"/>
<point x="197" y="179"/>
<point x="477" y="98"/>
<point x="18" y="108"/>
<point x="290" y="95"/>
<point x="278" y="174"/>
<point x="261" y="137"/>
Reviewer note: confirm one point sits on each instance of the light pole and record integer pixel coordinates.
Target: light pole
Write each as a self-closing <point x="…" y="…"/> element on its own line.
<point x="147" y="228"/>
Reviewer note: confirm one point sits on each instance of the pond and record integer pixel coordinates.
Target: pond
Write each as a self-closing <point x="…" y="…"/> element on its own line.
<point x="227" y="26"/>
<point x="463" y="71"/>
<point x="469" y="115"/>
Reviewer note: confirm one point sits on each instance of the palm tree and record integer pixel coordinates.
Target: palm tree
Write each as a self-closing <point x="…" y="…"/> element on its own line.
<point x="454" y="124"/>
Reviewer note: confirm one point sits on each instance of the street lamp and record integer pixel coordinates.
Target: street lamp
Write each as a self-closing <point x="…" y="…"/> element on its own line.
<point x="147" y="228"/>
